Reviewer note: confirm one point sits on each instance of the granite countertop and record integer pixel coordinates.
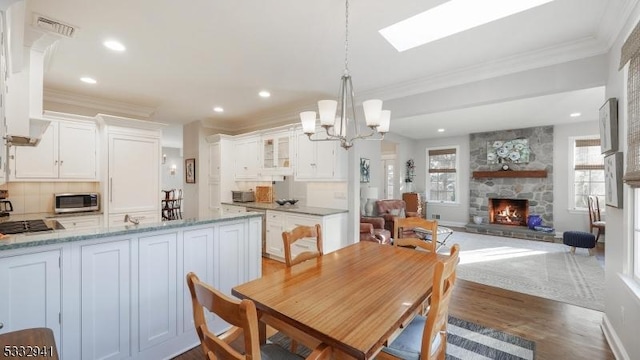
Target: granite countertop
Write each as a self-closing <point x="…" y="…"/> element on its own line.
<point x="61" y="236"/>
<point x="297" y="209"/>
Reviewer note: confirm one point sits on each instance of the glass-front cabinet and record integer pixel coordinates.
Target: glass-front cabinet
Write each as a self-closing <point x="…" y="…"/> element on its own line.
<point x="277" y="152"/>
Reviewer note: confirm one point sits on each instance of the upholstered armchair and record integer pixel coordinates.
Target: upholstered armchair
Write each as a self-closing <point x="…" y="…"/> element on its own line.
<point x="390" y="209"/>
<point x="372" y="229"/>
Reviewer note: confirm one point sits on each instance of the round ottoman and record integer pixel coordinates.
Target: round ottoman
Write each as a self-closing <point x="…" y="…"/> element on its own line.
<point x="579" y="239"/>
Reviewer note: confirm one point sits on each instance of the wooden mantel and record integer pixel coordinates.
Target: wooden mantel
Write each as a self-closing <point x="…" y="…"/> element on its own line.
<point x="510" y="174"/>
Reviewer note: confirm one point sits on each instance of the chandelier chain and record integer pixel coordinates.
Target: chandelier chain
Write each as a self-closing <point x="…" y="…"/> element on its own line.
<point x="346" y="38"/>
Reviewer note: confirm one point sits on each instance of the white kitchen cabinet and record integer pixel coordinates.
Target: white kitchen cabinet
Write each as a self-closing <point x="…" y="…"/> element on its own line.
<point x="30" y="292"/>
<point x="131" y="162"/>
<point x="157" y="288"/>
<point x="80" y="222"/>
<point x="197" y="257"/>
<point x="334" y="232"/>
<point x="143" y="217"/>
<point x="319" y="160"/>
<point x="247" y="158"/>
<point x="275" y="227"/>
<point x="232" y="209"/>
<point x="67" y="151"/>
<point x="277" y="151"/>
<point x="106" y="300"/>
<point x="221" y="169"/>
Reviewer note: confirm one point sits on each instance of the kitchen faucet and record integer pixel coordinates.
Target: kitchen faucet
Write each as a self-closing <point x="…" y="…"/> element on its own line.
<point x="133" y="220"/>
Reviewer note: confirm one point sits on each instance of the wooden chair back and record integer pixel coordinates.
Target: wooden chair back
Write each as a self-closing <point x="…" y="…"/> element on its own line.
<point x="403" y="225"/>
<point x="594" y="209"/>
<point x="299" y="233"/>
<point x="443" y="280"/>
<point x="242" y="315"/>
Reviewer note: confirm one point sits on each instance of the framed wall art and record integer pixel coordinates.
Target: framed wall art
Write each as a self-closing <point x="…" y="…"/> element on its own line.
<point x="190" y="171"/>
<point x="364" y="170"/>
<point x="515" y="151"/>
<point x="613" y="180"/>
<point x="609" y="126"/>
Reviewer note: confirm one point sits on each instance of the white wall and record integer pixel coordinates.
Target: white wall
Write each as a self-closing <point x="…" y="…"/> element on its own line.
<point x="450" y="214"/>
<point x="622" y="302"/>
<point x="563" y="218"/>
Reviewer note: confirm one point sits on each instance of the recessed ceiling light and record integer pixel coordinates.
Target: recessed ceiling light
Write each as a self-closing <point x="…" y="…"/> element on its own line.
<point x="440" y="130"/>
<point x="88" y="80"/>
<point x="575" y="114"/>
<point x="451" y="18"/>
<point x="218" y="109"/>
<point x="114" y="45"/>
<point x="264" y="94"/>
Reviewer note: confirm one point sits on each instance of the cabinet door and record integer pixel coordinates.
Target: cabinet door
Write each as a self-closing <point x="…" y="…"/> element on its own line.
<point x="214" y="161"/>
<point x="30" y="292"/>
<point x="38" y="162"/>
<point x="246" y="154"/>
<point x="305" y="158"/>
<point x="214" y="196"/>
<point x="325" y="159"/>
<point x="275" y="227"/>
<point x="134" y="174"/>
<point x="77" y="151"/>
<point x="106" y="300"/>
<point x="197" y="257"/>
<point x="157" y="319"/>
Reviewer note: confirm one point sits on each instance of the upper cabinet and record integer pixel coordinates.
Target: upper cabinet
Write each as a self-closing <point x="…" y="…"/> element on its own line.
<point x="247" y="157"/>
<point x="319" y="160"/>
<point x="277" y="151"/>
<point x="67" y="151"/>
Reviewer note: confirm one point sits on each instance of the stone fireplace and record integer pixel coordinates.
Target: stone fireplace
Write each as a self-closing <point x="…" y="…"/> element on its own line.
<point x="508" y="211"/>
<point x="534" y="194"/>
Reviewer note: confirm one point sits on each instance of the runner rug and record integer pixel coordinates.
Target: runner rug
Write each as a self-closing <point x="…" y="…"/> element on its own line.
<point x="465" y="341"/>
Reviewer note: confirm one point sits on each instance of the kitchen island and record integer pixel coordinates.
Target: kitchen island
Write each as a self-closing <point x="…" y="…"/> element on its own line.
<point x="120" y="292"/>
<point x="280" y="218"/>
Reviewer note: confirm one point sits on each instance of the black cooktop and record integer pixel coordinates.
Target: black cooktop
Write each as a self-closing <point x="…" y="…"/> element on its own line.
<point x="19" y="227"/>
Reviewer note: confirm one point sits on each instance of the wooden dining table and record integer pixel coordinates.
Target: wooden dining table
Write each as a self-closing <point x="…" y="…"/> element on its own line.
<point x="38" y="343"/>
<point x="355" y="299"/>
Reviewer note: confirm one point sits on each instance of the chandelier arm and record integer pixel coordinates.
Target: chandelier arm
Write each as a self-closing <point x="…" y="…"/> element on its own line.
<point x="353" y="109"/>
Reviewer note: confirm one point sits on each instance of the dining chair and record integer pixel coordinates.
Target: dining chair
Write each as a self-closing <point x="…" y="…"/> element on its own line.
<point x="403" y="234"/>
<point x="243" y="318"/>
<point x="298" y="233"/>
<point x="425" y="338"/>
<point x="595" y="222"/>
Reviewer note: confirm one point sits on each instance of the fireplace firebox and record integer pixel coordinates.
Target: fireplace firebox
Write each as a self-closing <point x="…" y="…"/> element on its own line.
<point x="508" y="211"/>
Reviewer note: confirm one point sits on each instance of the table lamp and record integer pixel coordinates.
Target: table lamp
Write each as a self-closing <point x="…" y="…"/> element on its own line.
<point x="372" y="196"/>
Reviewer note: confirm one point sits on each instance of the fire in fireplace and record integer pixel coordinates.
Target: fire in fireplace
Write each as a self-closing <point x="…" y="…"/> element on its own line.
<point x="508" y="211"/>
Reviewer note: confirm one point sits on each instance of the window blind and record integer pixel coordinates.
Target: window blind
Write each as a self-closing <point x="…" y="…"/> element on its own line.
<point x="587" y="155"/>
<point x="631" y="54"/>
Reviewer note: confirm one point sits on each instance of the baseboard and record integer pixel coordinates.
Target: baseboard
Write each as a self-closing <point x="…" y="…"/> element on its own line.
<point x="451" y="223"/>
<point x="614" y="341"/>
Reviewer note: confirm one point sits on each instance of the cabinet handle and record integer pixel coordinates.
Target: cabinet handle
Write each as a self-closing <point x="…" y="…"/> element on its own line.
<point x="55" y="162"/>
<point x="313" y="164"/>
<point x="110" y="189"/>
<point x="61" y="161"/>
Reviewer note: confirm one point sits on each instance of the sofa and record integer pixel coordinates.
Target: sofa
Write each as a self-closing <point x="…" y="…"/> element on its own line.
<point x="372" y="229"/>
<point x="390" y="209"/>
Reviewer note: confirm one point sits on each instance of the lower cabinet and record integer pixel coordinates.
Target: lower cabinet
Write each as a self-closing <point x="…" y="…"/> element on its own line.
<point x="126" y="297"/>
<point x="334" y="228"/>
<point x="30" y="292"/>
<point x="105" y="300"/>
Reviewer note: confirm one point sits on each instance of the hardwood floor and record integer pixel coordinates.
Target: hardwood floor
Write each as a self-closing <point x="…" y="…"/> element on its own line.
<point x="561" y="331"/>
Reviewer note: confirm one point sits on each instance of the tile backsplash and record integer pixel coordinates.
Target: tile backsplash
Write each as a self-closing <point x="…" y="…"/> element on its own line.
<point x="37" y="197"/>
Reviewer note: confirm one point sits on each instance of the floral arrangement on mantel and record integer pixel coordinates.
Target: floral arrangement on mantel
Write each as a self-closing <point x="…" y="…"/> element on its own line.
<point x="516" y="151"/>
<point x="411" y="171"/>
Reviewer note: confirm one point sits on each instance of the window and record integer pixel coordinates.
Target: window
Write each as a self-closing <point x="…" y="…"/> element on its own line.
<point x="588" y="172"/>
<point x="442" y="182"/>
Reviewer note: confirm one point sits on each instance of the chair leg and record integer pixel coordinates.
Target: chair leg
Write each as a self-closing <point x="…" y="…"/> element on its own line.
<point x="573" y="250"/>
<point x="592" y="251"/>
<point x="598" y="235"/>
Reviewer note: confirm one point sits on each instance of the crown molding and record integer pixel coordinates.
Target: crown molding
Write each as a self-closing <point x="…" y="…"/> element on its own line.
<point x="614" y="19"/>
<point x="98" y="104"/>
<point x="558" y="54"/>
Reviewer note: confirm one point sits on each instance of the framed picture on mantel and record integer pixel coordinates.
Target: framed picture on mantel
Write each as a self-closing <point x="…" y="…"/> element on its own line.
<point x="190" y="171"/>
<point x="609" y="127"/>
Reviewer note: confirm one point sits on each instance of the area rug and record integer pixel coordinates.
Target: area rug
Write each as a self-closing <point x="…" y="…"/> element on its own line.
<point x="536" y="268"/>
<point x="465" y="341"/>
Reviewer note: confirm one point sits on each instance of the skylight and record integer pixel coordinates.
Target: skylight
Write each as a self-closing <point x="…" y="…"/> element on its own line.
<point x="450" y="18"/>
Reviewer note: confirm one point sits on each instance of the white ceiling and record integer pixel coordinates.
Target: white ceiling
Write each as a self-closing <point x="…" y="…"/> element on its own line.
<point x="184" y="58"/>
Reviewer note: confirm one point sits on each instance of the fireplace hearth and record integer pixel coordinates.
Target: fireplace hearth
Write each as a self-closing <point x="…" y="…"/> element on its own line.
<point x="508" y="211"/>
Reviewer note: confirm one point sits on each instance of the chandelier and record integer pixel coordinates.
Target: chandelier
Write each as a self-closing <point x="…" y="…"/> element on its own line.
<point x="344" y="127"/>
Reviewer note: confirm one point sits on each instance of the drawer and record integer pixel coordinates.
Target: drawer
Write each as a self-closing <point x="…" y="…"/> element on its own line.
<point x="80" y="222"/>
<point x="232" y="209"/>
<point x="297" y="220"/>
<point x="142" y="217"/>
<point x="275" y="216"/>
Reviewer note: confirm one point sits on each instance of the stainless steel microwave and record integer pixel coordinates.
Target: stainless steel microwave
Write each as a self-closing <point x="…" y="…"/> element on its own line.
<point x="76" y="202"/>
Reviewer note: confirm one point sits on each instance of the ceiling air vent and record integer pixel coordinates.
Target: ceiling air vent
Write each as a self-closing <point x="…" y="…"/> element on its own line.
<point x="53" y="26"/>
